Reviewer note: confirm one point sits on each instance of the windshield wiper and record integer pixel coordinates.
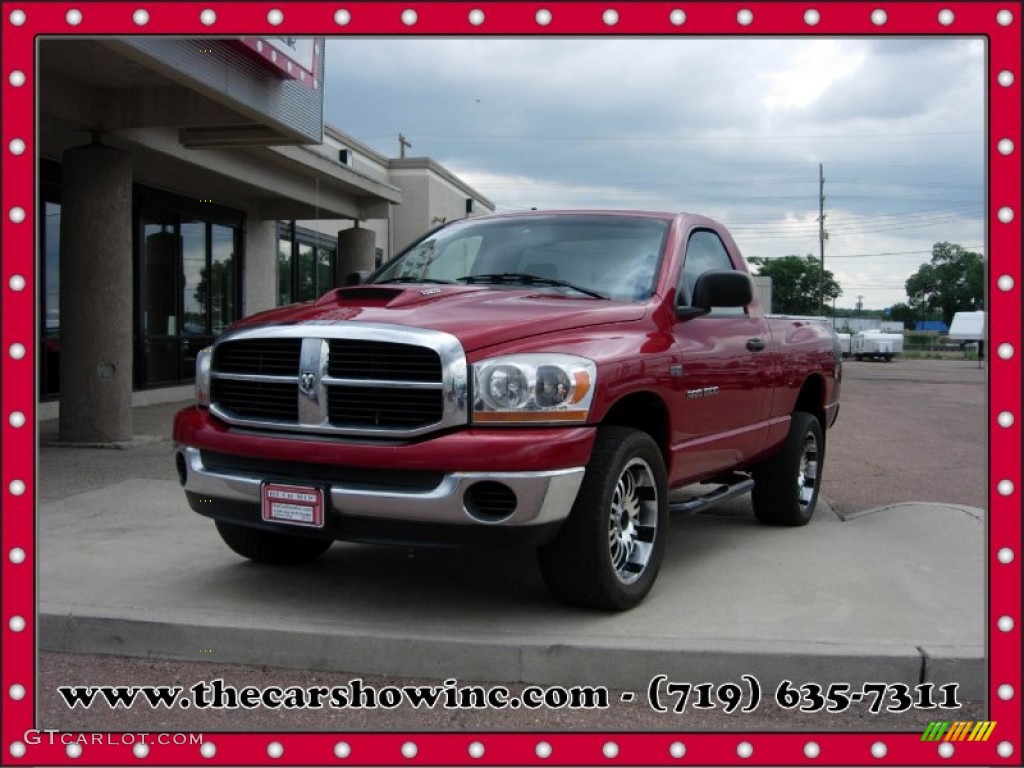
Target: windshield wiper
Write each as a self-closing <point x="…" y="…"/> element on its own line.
<point x="525" y="278"/>
<point x="409" y="279"/>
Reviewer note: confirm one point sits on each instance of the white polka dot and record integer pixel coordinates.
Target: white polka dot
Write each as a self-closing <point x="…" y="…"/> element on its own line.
<point x="16" y="419"/>
<point x="946" y="750"/>
<point x="812" y="17"/>
<point x="17" y="556"/>
<point x="745" y="17"/>
<point x="17" y="17"/>
<point x="342" y="750"/>
<point x="17" y="487"/>
<point x="275" y="749"/>
<point x="1005" y="692"/>
<point x="17" y="351"/>
<point x="1005" y="283"/>
<point x="16" y="692"/>
<point x="16" y="283"/>
<point x="879" y="750"/>
<point x="543" y="17"/>
<point x="17" y="214"/>
<point x="208" y="750"/>
<point x="141" y="19"/>
<point x="1005" y="419"/>
<point x="342" y="17"/>
<point x="476" y="17"/>
<point x="17" y="147"/>
<point x="543" y="750"/>
<point x="476" y="750"/>
<point x="946" y="17"/>
<point x="73" y="17"/>
<point x="1004" y="18"/>
<point x="1005" y="555"/>
<point x="17" y="624"/>
<point x="18" y="749"/>
<point x="1005" y="146"/>
<point x="879" y="17"/>
<point x="1005" y="624"/>
<point x="745" y="749"/>
<point x="275" y="16"/>
<point x="141" y="750"/>
<point x="208" y="17"/>
<point x="1005" y="487"/>
<point x="610" y="750"/>
<point x="409" y="750"/>
<point x="677" y="17"/>
<point x="1005" y="214"/>
<point x="610" y="17"/>
<point x="677" y="750"/>
<point x="1005" y="351"/>
<point x="16" y="78"/>
<point x="1005" y="78"/>
<point x="409" y="17"/>
<point x="1005" y="749"/>
<point x="74" y="751"/>
<point x="812" y="750"/>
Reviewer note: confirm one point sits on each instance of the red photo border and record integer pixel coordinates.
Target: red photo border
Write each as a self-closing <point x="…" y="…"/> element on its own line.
<point x="998" y="23"/>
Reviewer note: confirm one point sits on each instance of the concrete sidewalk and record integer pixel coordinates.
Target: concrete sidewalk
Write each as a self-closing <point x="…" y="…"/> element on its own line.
<point x="125" y="567"/>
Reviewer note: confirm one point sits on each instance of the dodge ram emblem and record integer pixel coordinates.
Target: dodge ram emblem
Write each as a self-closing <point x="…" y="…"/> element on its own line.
<point x="307" y="382"/>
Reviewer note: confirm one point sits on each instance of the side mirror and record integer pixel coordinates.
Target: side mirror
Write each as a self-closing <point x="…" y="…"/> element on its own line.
<point x="719" y="288"/>
<point x="357" y="278"/>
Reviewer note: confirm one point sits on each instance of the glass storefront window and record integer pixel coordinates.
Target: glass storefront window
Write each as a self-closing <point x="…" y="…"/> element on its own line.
<point x="305" y="263"/>
<point x="223" y="280"/>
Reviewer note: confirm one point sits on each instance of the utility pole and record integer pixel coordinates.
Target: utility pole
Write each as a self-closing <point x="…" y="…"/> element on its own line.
<point x="821" y="237"/>
<point x="402" y="144"/>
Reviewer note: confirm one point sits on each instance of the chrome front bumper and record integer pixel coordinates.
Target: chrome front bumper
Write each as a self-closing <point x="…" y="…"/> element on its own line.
<point x="541" y="497"/>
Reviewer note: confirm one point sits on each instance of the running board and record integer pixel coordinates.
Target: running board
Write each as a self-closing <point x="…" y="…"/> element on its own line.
<point x="740" y="485"/>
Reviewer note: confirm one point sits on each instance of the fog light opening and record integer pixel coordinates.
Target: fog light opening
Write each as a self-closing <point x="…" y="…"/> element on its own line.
<point x="489" y="502"/>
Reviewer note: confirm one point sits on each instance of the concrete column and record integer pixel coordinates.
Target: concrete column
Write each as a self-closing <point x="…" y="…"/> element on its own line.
<point x="96" y="296"/>
<point x="259" y="279"/>
<point x="355" y="252"/>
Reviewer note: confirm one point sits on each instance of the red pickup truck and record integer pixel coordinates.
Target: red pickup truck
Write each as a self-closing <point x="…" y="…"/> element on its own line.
<point x="542" y="379"/>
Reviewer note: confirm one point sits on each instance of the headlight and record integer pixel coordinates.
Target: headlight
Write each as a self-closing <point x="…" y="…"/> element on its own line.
<point x="203" y="360"/>
<point x="539" y="388"/>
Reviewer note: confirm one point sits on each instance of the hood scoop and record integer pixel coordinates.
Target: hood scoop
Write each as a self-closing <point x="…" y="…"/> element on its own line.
<point x="358" y="295"/>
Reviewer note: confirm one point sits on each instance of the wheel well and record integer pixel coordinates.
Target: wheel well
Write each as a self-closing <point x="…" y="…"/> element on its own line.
<point x="644" y="411"/>
<point x="812" y="399"/>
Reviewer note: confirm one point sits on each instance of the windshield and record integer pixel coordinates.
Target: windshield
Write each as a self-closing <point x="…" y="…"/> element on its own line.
<point x="612" y="257"/>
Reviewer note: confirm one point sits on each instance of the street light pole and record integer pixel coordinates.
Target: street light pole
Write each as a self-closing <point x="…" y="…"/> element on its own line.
<point x="821" y="237"/>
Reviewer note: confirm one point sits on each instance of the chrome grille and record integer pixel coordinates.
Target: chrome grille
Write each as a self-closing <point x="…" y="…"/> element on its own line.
<point x="348" y="379"/>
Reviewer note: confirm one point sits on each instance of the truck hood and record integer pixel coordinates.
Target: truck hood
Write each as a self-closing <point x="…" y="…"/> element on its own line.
<point x="479" y="316"/>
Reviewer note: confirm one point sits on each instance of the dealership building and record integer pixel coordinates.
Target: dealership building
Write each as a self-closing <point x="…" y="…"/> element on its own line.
<point x="184" y="184"/>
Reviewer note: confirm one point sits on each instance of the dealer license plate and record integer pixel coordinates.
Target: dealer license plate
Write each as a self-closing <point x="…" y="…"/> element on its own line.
<point x="293" y="504"/>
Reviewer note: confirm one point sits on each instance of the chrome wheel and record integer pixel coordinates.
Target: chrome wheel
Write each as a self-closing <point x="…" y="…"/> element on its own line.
<point x="807" y="474"/>
<point x="633" y="521"/>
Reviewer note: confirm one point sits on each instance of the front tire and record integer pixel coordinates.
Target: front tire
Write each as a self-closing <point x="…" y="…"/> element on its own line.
<point x="786" y="486"/>
<point x="271" y="547"/>
<point x="609" y="550"/>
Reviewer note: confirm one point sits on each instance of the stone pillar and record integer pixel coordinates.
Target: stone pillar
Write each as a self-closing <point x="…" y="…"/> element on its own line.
<point x="355" y="252"/>
<point x="96" y="296"/>
<point x="259" y="279"/>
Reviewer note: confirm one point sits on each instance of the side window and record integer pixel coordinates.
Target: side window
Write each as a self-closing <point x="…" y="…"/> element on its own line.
<point x="705" y="251"/>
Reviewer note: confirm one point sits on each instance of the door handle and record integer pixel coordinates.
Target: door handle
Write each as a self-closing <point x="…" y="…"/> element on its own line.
<point x="755" y="345"/>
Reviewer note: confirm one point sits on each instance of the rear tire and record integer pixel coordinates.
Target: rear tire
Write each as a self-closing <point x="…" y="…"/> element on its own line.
<point x="786" y="486"/>
<point x="608" y="552"/>
<point x="270" y="547"/>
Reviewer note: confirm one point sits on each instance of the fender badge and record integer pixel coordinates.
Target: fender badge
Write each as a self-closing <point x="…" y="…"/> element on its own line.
<point x="429" y="291"/>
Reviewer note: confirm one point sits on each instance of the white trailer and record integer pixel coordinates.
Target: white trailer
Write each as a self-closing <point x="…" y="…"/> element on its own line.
<point x="844" y="343"/>
<point x="876" y="345"/>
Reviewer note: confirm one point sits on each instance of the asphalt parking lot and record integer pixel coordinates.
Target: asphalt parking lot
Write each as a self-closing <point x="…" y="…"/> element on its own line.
<point x="911" y="434"/>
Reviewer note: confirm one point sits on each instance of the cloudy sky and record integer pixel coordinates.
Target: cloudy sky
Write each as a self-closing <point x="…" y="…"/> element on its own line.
<point x="731" y="128"/>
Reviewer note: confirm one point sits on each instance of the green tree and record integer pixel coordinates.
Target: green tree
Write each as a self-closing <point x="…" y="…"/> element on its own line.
<point x="905" y="314"/>
<point x="796" y="283"/>
<point x="954" y="281"/>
